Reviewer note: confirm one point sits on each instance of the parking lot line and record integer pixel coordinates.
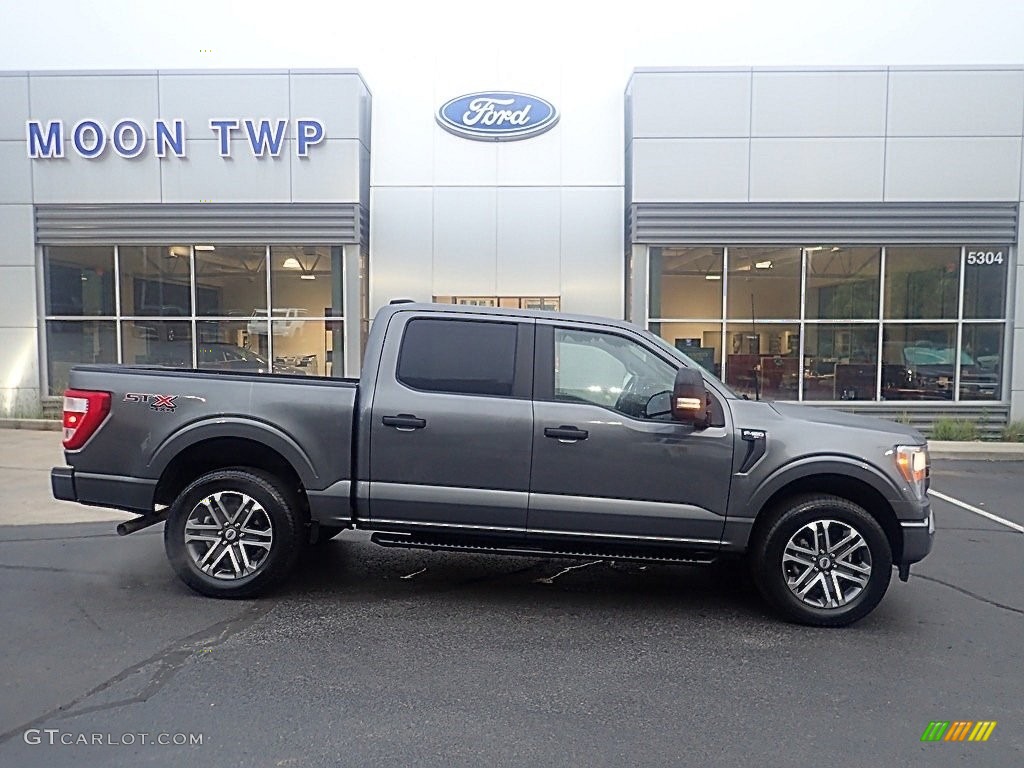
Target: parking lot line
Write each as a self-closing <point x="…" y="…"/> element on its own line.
<point x="975" y="510"/>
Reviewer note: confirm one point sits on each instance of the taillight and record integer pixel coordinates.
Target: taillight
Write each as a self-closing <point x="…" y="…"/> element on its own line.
<point x="84" y="411"/>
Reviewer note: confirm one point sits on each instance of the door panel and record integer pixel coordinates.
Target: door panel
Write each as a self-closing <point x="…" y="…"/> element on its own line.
<point x="446" y="459"/>
<point x="628" y="477"/>
<point x="602" y="464"/>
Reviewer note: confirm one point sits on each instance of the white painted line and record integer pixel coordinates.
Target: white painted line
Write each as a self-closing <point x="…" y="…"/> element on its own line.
<point x="975" y="510"/>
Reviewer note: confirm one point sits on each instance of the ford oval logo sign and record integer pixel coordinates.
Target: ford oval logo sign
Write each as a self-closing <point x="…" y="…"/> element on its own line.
<point x="497" y="116"/>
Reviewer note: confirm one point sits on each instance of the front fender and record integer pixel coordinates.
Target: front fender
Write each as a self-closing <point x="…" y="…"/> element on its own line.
<point x="807" y="466"/>
<point x="236" y="427"/>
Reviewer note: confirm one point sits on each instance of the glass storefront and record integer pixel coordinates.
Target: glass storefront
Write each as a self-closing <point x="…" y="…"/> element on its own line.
<point x="245" y="308"/>
<point x="837" y="323"/>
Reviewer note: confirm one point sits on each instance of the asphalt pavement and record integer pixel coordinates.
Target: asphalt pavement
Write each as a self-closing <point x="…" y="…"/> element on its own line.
<point x="378" y="657"/>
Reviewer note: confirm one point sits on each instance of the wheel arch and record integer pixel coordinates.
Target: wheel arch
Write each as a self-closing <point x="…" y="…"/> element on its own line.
<point x="855" y="482"/>
<point x="213" y="453"/>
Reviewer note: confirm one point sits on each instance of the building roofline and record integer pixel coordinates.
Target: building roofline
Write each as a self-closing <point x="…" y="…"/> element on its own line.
<point x="161" y="72"/>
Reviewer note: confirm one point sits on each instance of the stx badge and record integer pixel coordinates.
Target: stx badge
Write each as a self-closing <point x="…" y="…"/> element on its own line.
<point x="164" y="403"/>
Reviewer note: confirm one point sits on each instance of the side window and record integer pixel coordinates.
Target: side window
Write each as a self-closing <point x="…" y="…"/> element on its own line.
<point x="469" y="357"/>
<point x="613" y="372"/>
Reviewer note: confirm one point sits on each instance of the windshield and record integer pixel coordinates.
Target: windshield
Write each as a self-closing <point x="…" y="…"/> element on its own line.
<point x="934" y="356"/>
<point x="690" y="363"/>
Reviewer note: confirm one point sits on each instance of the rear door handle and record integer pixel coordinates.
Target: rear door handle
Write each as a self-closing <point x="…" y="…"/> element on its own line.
<point x="566" y="433"/>
<point x="404" y="422"/>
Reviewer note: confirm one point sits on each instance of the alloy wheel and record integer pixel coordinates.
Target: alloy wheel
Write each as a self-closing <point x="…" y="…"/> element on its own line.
<point x="228" y="535"/>
<point x="826" y="564"/>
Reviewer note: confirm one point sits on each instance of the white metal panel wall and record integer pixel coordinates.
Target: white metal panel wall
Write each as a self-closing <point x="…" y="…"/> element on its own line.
<point x="498" y="223"/>
<point x="592" y="269"/>
<point x="13" y="107"/>
<point x="955" y="168"/>
<point x="706" y="104"/>
<point x="15" y="173"/>
<point x="17" y="246"/>
<point x="816" y="169"/>
<point x="691" y="169"/>
<point x="840" y="103"/>
<point x="106" y="98"/>
<point x="401" y="233"/>
<point x="898" y="134"/>
<point x="337" y="169"/>
<point x="465" y="241"/>
<point x="985" y="102"/>
<point x="196" y="98"/>
<point x="528" y="241"/>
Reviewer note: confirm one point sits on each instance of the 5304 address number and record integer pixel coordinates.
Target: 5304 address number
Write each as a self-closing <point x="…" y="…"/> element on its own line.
<point x="985" y="258"/>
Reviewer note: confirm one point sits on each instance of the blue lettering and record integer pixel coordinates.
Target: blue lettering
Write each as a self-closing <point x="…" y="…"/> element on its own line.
<point x="223" y="128"/>
<point x="52" y="145"/>
<point x="93" y="148"/>
<point x="262" y="140"/>
<point x="164" y="138"/>
<point x="308" y="133"/>
<point x="138" y="139"/>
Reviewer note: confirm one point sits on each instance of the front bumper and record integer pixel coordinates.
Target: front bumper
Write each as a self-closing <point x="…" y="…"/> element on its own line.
<point x="918" y="538"/>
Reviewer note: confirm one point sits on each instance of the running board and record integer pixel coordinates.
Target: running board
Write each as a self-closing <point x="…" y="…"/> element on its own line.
<point x="411" y="542"/>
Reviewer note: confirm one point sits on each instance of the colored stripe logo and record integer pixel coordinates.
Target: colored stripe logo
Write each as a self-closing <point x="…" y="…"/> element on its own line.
<point x="958" y="730"/>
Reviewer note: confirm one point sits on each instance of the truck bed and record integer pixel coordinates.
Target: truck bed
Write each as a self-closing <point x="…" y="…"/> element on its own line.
<point x="164" y="413"/>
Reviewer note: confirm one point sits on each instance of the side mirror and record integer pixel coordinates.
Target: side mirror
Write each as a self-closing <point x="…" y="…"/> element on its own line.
<point x="690" y="398"/>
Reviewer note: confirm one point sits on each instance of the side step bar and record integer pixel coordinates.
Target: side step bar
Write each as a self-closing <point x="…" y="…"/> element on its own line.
<point x="411" y="542"/>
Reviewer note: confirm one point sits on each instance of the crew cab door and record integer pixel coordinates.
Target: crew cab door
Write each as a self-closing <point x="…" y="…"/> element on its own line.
<point x="451" y="424"/>
<point x="608" y="462"/>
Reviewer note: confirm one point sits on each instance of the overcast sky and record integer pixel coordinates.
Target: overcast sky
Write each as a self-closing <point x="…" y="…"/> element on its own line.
<point x="384" y="38"/>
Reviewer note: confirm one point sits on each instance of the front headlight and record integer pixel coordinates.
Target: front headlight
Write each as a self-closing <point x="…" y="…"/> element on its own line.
<point x="913" y="463"/>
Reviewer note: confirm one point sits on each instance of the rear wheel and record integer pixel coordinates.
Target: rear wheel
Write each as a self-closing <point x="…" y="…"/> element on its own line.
<point x="822" y="561"/>
<point x="233" y="533"/>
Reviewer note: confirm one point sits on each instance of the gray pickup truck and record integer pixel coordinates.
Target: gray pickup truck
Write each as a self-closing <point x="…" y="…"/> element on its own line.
<point x="506" y="432"/>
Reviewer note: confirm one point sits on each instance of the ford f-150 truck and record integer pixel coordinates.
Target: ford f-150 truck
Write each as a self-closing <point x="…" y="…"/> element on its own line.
<point x="506" y="432"/>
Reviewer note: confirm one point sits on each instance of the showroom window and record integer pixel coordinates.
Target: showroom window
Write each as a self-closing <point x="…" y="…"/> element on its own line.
<point x="243" y="308"/>
<point x="836" y="322"/>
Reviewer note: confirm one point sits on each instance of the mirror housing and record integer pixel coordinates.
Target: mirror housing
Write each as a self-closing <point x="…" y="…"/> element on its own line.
<point x="690" y="398"/>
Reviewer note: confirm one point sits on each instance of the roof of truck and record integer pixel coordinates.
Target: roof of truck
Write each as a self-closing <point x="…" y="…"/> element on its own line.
<point x="538" y="314"/>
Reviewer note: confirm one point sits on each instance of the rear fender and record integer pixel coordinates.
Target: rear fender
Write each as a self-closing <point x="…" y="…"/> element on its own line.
<point x="237" y="428"/>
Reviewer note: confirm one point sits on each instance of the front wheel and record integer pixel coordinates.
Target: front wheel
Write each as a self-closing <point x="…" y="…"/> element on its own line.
<point x="822" y="561"/>
<point x="233" y="533"/>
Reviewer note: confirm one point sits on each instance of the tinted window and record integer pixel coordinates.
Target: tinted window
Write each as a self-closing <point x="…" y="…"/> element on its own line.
<point x="464" y="356"/>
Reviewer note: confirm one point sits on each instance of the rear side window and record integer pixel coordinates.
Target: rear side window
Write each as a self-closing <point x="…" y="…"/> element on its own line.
<point x="461" y="356"/>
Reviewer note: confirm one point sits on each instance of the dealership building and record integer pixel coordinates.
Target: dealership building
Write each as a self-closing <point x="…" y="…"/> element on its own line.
<point x="841" y="236"/>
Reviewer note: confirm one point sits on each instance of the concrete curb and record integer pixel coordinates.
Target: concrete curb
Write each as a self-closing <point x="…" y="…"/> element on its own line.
<point x="45" y="425"/>
<point x="976" y="451"/>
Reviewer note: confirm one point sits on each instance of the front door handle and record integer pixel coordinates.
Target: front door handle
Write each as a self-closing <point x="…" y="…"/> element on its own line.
<point x="404" y="422"/>
<point x="566" y="433"/>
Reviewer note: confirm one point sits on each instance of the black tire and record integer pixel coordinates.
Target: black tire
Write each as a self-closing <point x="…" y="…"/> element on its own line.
<point x="794" y="524"/>
<point x="275" y="543"/>
<point x="327" y="532"/>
